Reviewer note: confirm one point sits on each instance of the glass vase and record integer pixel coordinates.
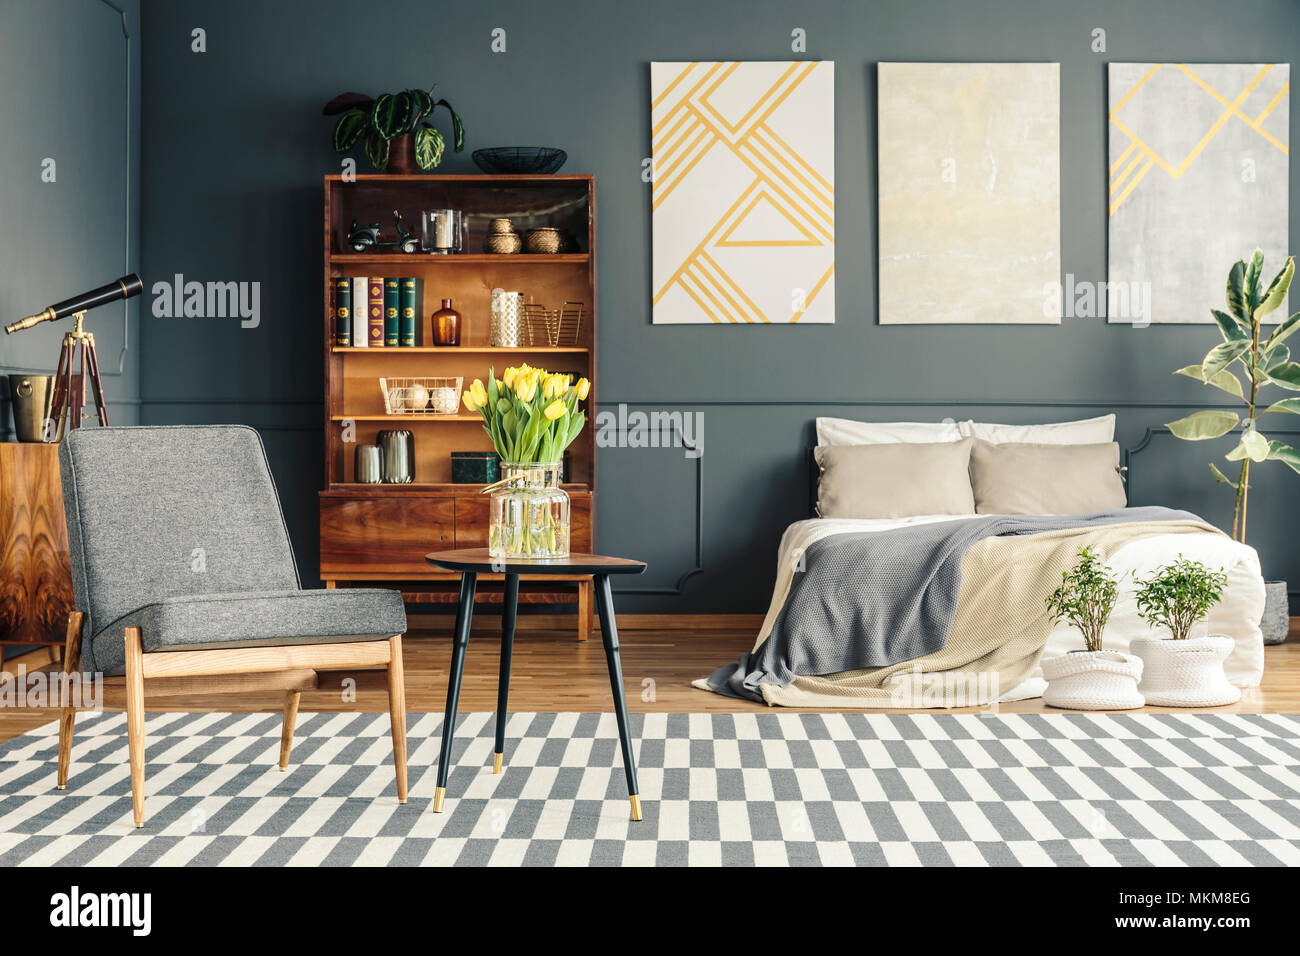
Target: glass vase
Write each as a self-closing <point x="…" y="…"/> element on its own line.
<point x="529" y="516"/>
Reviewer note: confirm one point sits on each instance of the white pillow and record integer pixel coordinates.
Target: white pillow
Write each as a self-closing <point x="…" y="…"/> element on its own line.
<point x="1088" y="431"/>
<point x="845" y="431"/>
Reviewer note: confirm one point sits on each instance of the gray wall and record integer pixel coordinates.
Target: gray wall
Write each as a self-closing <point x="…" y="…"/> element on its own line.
<point x="234" y="148"/>
<point x="71" y="72"/>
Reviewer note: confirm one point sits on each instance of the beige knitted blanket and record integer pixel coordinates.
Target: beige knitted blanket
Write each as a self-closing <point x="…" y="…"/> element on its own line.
<point x="999" y="630"/>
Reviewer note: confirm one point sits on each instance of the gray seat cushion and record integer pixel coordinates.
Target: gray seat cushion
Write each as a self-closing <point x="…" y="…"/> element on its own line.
<point x="178" y="529"/>
<point x="195" y="622"/>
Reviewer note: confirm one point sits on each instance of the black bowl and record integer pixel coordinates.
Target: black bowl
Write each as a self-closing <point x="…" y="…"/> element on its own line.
<point x="520" y="160"/>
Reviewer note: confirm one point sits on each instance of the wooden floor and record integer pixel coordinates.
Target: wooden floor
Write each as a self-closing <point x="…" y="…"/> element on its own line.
<point x="552" y="672"/>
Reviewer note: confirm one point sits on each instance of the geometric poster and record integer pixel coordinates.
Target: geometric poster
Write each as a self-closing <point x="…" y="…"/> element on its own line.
<point x="969" y="192"/>
<point x="743" y="192"/>
<point x="1198" y="178"/>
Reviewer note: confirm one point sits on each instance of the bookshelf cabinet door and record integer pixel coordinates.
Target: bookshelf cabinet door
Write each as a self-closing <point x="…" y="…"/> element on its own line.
<point x="389" y="535"/>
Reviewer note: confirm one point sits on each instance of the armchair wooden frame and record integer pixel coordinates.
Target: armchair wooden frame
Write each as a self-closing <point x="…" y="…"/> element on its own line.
<point x="289" y="668"/>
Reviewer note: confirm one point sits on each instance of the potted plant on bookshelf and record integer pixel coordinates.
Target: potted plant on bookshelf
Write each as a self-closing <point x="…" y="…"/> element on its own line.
<point x="1180" y="670"/>
<point x="1093" y="678"/>
<point x="397" y="133"/>
<point x="1266" y="361"/>
<point x="531" y="415"/>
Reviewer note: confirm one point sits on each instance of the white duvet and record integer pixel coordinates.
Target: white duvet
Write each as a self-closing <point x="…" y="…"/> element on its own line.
<point x="1237" y="616"/>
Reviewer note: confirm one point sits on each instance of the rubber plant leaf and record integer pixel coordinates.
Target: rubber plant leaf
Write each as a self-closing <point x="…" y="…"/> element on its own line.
<point x="1236" y="293"/>
<point x="1252" y="278"/>
<point x="1285" y="454"/>
<point x="1284" y="330"/>
<point x="1277" y="289"/>
<point x="1210" y="423"/>
<point x="1223" y="355"/>
<point x="1291" y="405"/>
<point x="1287" y="375"/>
<point x="1220" y="476"/>
<point x="1232" y="332"/>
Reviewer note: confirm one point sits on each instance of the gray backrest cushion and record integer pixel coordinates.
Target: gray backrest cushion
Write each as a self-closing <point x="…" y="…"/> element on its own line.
<point x="158" y="512"/>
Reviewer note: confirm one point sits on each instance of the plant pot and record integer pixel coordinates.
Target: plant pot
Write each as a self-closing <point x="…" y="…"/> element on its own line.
<point x="401" y="155"/>
<point x="1277" y="614"/>
<point x="1186" y="673"/>
<point x="1093" y="680"/>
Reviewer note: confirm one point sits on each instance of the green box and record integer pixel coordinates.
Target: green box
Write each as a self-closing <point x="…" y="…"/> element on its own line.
<point x="475" y="467"/>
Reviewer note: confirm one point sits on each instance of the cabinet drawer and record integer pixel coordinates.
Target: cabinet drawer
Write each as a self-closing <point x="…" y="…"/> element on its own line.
<point x="383" y="534"/>
<point x="472" y="521"/>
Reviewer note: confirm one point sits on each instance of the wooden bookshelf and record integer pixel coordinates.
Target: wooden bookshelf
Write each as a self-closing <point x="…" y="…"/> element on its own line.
<point x="377" y="535"/>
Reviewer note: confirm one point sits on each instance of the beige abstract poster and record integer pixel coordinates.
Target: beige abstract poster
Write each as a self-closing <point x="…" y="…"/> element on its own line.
<point x="970" y="192"/>
<point x="743" y="194"/>
<point x="1199" y="172"/>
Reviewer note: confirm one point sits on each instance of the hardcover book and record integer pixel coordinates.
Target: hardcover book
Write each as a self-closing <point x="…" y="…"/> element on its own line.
<point x="392" y="295"/>
<point x="360" y="312"/>
<point x="343" y="312"/>
<point x="410" y="310"/>
<point x="376" y="314"/>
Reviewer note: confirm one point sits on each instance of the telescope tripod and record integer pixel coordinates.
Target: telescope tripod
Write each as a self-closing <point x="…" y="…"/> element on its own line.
<point x="69" y="389"/>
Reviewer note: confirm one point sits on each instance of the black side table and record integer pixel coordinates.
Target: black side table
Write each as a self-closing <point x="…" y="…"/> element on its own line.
<point x="473" y="562"/>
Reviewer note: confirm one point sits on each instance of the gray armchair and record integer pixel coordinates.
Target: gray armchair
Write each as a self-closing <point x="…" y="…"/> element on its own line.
<point x="185" y="583"/>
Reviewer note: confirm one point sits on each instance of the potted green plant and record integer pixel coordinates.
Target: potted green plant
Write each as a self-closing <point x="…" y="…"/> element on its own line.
<point x="395" y="127"/>
<point x="1093" y="678"/>
<point x="1265" y="361"/>
<point x="1180" y="670"/>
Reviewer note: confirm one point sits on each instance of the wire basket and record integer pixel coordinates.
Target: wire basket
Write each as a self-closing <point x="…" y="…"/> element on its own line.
<point x="555" y="328"/>
<point x="421" y="396"/>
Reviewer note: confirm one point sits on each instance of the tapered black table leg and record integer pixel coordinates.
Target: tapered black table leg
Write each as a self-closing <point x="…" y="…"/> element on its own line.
<point x="464" y="616"/>
<point x="609" y="634"/>
<point x="508" y="611"/>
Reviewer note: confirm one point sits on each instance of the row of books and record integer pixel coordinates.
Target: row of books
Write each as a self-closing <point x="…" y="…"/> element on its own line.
<point x="377" y="312"/>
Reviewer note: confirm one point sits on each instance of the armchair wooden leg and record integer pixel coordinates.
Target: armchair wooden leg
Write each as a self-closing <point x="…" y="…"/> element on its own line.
<point x="291" y="700"/>
<point x="68" y="718"/>
<point x="135" y="719"/>
<point x="397" y="711"/>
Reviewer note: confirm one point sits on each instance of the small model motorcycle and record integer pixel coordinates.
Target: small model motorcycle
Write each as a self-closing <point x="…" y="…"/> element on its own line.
<point x="366" y="238"/>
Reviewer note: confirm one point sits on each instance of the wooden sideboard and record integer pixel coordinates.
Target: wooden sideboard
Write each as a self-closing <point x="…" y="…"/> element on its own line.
<point x="35" y="579"/>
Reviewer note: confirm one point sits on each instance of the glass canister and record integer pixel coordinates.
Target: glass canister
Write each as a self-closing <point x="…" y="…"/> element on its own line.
<point x="529" y="514"/>
<point x="506" y="329"/>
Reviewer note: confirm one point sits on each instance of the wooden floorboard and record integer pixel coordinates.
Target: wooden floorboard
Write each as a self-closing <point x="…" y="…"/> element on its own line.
<point x="553" y="672"/>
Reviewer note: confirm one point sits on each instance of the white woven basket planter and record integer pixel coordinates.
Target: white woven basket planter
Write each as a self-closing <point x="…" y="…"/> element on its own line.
<point x="1187" y="673"/>
<point x="1093" y="680"/>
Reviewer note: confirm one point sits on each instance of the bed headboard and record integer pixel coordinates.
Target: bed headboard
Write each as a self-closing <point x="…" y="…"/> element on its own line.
<point x="814" y="475"/>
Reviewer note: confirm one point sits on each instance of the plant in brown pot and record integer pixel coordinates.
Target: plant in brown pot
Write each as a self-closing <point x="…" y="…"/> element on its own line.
<point x="398" y="136"/>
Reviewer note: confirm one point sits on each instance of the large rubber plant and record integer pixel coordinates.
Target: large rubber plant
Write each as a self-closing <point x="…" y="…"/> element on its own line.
<point x="383" y="119"/>
<point x="1265" y="361"/>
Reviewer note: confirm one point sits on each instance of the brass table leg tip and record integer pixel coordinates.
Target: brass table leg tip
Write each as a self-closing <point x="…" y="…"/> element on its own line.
<point x="437" y="799"/>
<point x="636" y="806"/>
<point x="63" y="786"/>
<point x="496" y="762"/>
<point x="402" y="800"/>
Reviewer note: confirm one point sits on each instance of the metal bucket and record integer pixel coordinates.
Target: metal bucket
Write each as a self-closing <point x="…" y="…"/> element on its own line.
<point x="31" y="396"/>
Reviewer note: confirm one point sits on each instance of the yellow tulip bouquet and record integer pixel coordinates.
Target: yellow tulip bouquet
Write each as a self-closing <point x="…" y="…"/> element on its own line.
<point x="530" y="414"/>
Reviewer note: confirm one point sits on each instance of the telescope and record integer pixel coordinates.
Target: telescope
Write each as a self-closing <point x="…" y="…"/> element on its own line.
<point x="69" y="389"/>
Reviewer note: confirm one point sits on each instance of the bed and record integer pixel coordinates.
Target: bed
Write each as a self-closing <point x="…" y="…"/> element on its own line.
<point x="947" y="609"/>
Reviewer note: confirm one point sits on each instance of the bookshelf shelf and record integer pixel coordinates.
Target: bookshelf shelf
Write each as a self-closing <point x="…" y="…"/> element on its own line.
<point x="423" y="259"/>
<point x="452" y="351"/>
<point x="378" y="534"/>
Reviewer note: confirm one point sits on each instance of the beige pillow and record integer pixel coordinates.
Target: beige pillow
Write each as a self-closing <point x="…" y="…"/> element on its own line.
<point x="1088" y="431"/>
<point x="1024" y="479"/>
<point x="895" y="481"/>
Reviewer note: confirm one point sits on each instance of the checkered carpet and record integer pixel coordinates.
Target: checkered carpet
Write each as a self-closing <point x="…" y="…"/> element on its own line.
<point x="730" y="789"/>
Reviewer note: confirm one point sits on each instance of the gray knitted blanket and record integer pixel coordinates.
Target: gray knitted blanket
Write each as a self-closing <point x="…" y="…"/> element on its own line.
<point x="872" y="599"/>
